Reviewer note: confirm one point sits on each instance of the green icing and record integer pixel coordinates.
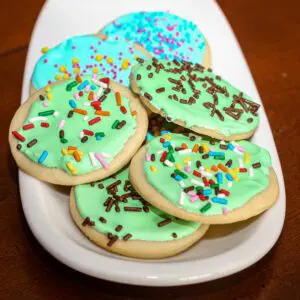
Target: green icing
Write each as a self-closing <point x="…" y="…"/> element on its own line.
<point x="241" y="191"/>
<point x="141" y="225"/>
<point x="195" y="113"/>
<point x="48" y="138"/>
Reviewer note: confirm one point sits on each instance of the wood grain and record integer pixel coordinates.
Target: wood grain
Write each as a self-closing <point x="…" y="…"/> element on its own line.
<point x="268" y="32"/>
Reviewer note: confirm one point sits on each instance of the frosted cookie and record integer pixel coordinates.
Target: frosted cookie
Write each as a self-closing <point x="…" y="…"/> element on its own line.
<point x="112" y="215"/>
<point x="200" y="179"/>
<point x="195" y="98"/>
<point x="163" y="34"/>
<point x="87" y="54"/>
<point x="78" y="130"/>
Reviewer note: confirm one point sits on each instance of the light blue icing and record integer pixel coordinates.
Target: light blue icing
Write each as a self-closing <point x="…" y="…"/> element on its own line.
<point x="85" y="49"/>
<point x="163" y="34"/>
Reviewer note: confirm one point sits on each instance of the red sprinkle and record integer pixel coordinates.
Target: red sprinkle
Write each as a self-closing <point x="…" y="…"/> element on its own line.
<point x="88" y="132"/>
<point x="81" y="93"/>
<point x="162" y="140"/>
<point x="242" y="170"/>
<point x="94" y="121"/>
<point x="163" y="156"/>
<point x="211" y="182"/>
<point x="205" y="181"/>
<point x="105" y="80"/>
<point x="96" y="103"/>
<point x="226" y="193"/>
<point x="44" y="124"/>
<point x="196" y="173"/>
<point x="18" y="136"/>
<point x="202" y="197"/>
<point x="28" y="126"/>
<point x="123" y="110"/>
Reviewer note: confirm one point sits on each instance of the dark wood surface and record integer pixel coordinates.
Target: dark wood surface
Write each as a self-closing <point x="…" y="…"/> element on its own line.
<point x="269" y="34"/>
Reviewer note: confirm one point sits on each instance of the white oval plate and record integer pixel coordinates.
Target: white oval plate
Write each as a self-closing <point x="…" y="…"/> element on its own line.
<point x="226" y="249"/>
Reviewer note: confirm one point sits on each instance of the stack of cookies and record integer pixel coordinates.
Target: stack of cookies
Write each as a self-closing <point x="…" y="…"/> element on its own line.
<point x="151" y="140"/>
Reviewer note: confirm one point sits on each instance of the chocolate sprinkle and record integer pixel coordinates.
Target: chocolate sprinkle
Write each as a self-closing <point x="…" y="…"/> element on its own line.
<point x="256" y="165"/>
<point x="148" y="96"/>
<point x="84" y="139"/>
<point x="164" y="222"/>
<point x="19" y="146"/>
<point x="112" y="241"/>
<point x="131" y="208"/>
<point x="102" y="220"/>
<point x="32" y="143"/>
<point x="87" y="222"/>
<point x="127" y="237"/>
<point x="174" y="235"/>
<point x="118" y="228"/>
<point x="70" y="114"/>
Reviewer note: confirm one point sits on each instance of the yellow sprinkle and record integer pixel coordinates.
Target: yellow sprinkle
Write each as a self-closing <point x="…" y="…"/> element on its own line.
<point x="187" y="159"/>
<point x="76" y="70"/>
<point x="49" y="96"/>
<point x="167" y="137"/>
<point x="65" y="76"/>
<point x="157" y="133"/>
<point x="207" y="169"/>
<point x="109" y="60"/>
<point x="125" y="64"/>
<point x="64" y="151"/>
<point x="47" y="89"/>
<point x="72" y="151"/>
<point x="152" y="168"/>
<point x="71" y="168"/>
<point x="233" y="175"/>
<point x="57" y="77"/>
<point x="136" y="57"/>
<point x="95" y="70"/>
<point x="44" y="49"/>
<point x="98" y="57"/>
<point x="236" y="170"/>
<point x="178" y="166"/>
<point x="205" y="148"/>
<point x="75" y="61"/>
<point x="62" y="69"/>
<point x="247" y="158"/>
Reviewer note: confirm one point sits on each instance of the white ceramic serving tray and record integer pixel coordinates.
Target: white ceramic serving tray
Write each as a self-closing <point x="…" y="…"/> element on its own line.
<point x="226" y="249"/>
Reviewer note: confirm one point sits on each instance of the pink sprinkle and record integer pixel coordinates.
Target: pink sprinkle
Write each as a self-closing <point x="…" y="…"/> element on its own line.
<point x="73" y="47"/>
<point x="148" y="157"/>
<point x="84" y="71"/>
<point x="194" y="198"/>
<point x="55" y="65"/>
<point x="61" y="123"/>
<point x="45" y="60"/>
<point x="105" y="56"/>
<point x="192" y="193"/>
<point x="190" y="48"/>
<point x="187" y="169"/>
<point x="225" y="210"/>
<point x="87" y="88"/>
<point x="49" y="81"/>
<point x="92" y="47"/>
<point x="45" y="103"/>
<point x="94" y="76"/>
<point x="121" y="80"/>
<point x="76" y="96"/>
<point x="241" y="149"/>
<point x="95" y="97"/>
<point x="102" y="160"/>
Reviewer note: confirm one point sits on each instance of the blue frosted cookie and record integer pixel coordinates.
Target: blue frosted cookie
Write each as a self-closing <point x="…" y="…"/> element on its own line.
<point x="82" y="55"/>
<point x="163" y="34"/>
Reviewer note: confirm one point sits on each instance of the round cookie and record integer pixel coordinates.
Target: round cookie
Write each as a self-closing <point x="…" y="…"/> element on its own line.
<point x="87" y="54"/>
<point x="112" y="215"/>
<point x="77" y="131"/>
<point x="200" y="179"/>
<point x="163" y="34"/>
<point x="195" y="98"/>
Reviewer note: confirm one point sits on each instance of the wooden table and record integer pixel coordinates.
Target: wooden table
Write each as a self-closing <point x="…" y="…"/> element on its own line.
<point x="268" y="32"/>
